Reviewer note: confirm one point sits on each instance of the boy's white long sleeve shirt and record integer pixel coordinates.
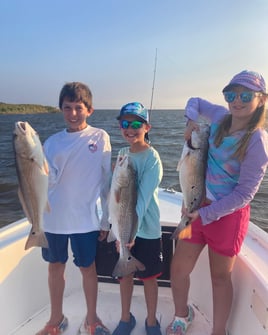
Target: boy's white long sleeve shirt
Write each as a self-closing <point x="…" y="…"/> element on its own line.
<point x="80" y="171"/>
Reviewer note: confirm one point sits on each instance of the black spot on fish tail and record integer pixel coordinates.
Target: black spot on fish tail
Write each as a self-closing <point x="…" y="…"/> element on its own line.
<point x="36" y="239"/>
<point x="126" y="267"/>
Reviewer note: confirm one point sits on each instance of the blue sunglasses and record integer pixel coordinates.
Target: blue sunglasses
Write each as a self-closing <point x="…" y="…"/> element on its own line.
<point x="124" y="124"/>
<point x="245" y="97"/>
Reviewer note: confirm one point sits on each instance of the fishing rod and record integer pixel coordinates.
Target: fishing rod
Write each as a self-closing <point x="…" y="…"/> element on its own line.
<point x="152" y="96"/>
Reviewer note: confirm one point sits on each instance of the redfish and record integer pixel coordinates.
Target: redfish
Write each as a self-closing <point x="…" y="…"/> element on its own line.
<point x="32" y="171"/>
<point x="192" y="170"/>
<point x="123" y="216"/>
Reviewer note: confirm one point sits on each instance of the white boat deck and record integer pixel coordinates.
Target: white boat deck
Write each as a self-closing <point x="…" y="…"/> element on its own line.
<point x="109" y="312"/>
<point x="108" y="305"/>
<point x="24" y="303"/>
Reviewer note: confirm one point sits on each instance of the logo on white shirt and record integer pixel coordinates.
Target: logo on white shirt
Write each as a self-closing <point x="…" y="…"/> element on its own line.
<point x="92" y="147"/>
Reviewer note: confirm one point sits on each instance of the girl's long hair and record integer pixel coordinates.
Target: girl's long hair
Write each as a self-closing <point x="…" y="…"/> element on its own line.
<point x="257" y="121"/>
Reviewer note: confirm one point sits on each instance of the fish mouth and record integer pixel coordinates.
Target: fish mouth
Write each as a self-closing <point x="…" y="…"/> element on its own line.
<point x="190" y="145"/>
<point x="21" y="126"/>
<point x="122" y="160"/>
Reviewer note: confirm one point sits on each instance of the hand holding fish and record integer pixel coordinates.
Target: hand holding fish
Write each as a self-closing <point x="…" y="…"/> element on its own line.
<point x="103" y="235"/>
<point x="184" y="230"/>
<point x="192" y="216"/>
<point x="129" y="246"/>
<point x="190" y="127"/>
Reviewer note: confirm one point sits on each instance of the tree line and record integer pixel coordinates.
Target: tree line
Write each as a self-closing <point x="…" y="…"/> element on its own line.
<point x="26" y="109"/>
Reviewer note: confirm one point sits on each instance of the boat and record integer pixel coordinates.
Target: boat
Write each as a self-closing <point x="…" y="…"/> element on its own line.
<point x="24" y="302"/>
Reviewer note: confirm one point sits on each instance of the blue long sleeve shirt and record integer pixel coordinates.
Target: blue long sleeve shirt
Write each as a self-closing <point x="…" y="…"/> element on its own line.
<point x="149" y="171"/>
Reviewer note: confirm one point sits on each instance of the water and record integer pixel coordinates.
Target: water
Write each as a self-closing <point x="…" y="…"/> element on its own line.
<point x="166" y="136"/>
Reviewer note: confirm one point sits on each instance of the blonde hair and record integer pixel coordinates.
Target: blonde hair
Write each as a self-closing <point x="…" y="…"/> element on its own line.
<point x="257" y="121"/>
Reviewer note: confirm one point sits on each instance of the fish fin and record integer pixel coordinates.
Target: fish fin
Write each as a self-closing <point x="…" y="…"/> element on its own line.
<point x="121" y="159"/>
<point x="45" y="167"/>
<point x="111" y="236"/>
<point x="117" y="195"/>
<point x="186" y="232"/>
<point x="181" y="226"/>
<point x="36" y="239"/>
<point x="134" y="227"/>
<point x="185" y="152"/>
<point x="175" y="234"/>
<point x="23" y="205"/>
<point x="48" y="208"/>
<point x="179" y="164"/>
<point x="125" y="267"/>
<point x="41" y="162"/>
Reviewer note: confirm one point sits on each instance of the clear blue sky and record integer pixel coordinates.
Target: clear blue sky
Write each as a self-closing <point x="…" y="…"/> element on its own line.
<point x="110" y="45"/>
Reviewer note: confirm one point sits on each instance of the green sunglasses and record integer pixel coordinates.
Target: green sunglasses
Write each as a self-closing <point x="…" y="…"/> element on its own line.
<point x="124" y="124"/>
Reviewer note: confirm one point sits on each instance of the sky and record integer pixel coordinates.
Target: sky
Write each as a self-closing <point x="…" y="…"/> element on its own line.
<point x="193" y="47"/>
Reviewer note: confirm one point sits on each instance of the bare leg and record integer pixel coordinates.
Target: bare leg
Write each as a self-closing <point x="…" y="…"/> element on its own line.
<point x="56" y="284"/>
<point x="90" y="286"/>
<point x="221" y="269"/>
<point x="151" y="295"/>
<point x="183" y="262"/>
<point x="126" y="290"/>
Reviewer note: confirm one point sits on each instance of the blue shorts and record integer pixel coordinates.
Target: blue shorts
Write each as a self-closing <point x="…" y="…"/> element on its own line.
<point x="83" y="246"/>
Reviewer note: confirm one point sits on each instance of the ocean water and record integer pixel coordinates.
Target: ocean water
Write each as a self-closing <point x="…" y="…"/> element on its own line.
<point x="166" y="136"/>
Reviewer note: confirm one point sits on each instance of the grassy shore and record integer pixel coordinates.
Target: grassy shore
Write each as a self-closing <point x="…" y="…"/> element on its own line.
<point x="25" y="109"/>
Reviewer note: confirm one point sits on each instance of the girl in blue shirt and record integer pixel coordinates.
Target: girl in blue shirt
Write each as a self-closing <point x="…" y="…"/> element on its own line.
<point x="134" y="125"/>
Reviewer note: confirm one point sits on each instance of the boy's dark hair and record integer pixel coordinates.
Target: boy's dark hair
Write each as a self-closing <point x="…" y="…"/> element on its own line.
<point x="76" y="91"/>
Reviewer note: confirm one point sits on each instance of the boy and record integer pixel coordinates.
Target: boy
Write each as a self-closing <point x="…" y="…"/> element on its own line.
<point x="79" y="159"/>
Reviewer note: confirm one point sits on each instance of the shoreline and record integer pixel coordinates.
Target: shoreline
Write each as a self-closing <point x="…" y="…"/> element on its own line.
<point x="7" y="109"/>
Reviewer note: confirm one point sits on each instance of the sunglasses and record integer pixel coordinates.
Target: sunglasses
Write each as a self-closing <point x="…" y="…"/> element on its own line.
<point x="124" y="124"/>
<point x="245" y="97"/>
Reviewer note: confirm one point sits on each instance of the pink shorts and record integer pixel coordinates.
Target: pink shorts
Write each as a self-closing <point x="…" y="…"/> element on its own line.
<point x="224" y="236"/>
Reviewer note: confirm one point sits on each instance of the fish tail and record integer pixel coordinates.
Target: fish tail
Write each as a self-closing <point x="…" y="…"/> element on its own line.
<point x="125" y="267"/>
<point x="185" y="233"/>
<point x="182" y="232"/>
<point x="36" y="239"/>
<point x="176" y="233"/>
